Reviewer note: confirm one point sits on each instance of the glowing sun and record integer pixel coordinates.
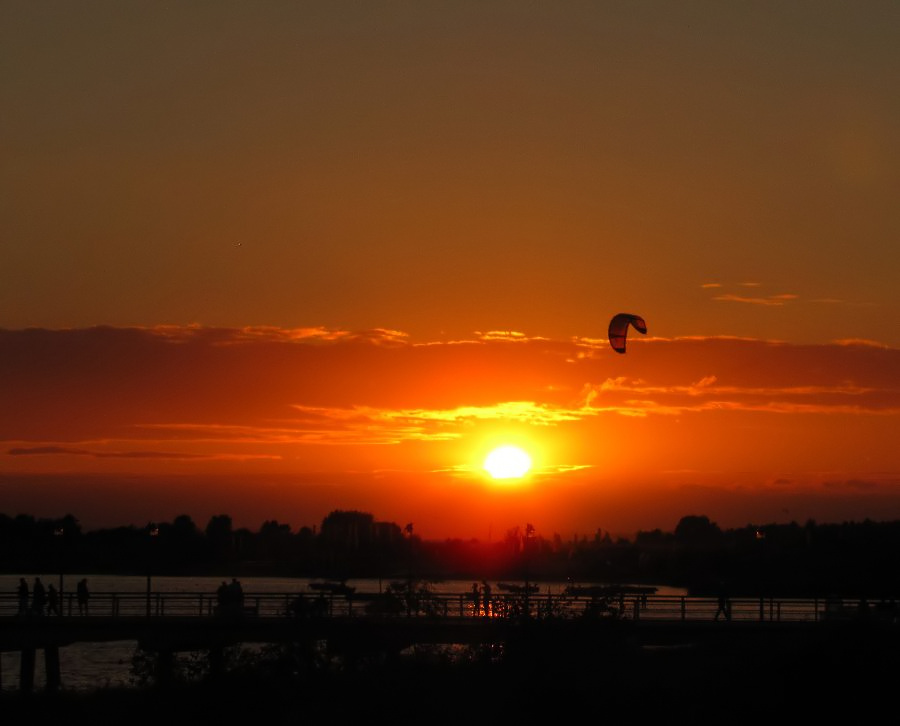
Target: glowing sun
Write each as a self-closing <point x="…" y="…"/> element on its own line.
<point x="507" y="462"/>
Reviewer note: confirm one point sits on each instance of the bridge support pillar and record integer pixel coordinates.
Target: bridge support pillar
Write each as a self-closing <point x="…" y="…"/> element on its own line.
<point x="26" y="670"/>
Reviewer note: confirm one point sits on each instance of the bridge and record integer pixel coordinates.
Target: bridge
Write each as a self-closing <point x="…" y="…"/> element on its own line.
<point x="355" y="625"/>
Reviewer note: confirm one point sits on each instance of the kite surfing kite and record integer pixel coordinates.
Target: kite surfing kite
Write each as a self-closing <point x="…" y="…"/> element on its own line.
<point x="618" y="329"/>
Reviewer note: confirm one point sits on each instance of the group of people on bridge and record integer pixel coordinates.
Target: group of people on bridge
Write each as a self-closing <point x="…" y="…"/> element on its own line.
<point x="40" y="600"/>
<point x="482" y="603"/>
<point x="230" y="598"/>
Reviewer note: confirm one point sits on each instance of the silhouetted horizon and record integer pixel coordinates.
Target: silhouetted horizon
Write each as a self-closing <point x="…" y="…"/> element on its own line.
<point x="848" y="558"/>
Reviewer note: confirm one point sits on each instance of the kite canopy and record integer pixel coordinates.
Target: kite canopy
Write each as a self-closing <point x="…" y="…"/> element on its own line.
<point x="618" y="329"/>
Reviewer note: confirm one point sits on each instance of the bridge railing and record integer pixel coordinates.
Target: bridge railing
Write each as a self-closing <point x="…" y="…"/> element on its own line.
<point x="303" y="604"/>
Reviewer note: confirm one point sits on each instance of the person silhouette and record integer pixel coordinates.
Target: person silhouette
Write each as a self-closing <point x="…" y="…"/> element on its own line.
<point x="38" y="597"/>
<point x="22" y="592"/>
<point x="82" y="594"/>
<point x="476" y="599"/>
<point x="236" y="598"/>
<point x="52" y="600"/>
<point x="222" y="593"/>
<point x="724" y="606"/>
<point x="486" y="597"/>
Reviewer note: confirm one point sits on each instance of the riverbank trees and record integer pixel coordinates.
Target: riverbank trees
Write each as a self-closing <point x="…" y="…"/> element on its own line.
<point x="849" y="559"/>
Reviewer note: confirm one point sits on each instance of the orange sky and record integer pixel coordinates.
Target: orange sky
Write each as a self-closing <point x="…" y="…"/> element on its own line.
<point x="204" y="206"/>
<point x="120" y="425"/>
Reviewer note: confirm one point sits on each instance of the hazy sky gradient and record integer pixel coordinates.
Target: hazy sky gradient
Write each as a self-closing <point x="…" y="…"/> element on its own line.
<point x="452" y="166"/>
<point x="275" y="241"/>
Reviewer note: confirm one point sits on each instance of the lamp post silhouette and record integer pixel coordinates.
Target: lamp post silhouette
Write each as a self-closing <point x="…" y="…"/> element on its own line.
<point x="58" y="535"/>
<point x="529" y="537"/>
<point x="409" y="576"/>
<point x="152" y="534"/>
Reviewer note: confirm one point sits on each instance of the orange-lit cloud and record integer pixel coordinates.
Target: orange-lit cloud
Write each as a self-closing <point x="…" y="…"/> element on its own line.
<point x="839" y="398"/>
<point x="773" y="300"/>
<point x="266" y="385"/>
<point x="502" y="335"/>
<point x="62" y="450"/>
<point x="861" y="341"/>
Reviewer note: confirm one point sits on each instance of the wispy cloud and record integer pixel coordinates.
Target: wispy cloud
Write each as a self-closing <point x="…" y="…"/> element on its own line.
<point x="854" y="484"/>
<point x="774" y="300"/>
<point x="863" y="342"/>
<point x="44" y="450"/>
<point x="360" y="425"/>
<point x="710" y="386"/>
<point x="67" y="451"/>
<point x="267" y="333"/>
<point x="707" y="395"/>
<point x="521" y="411"/>
<point x="508" y="335"/>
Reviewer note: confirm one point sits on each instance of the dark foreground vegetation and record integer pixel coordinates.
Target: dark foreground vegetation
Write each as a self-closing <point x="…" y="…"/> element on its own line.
<point x="850" y="559"/>
<point x="761" y="683"/>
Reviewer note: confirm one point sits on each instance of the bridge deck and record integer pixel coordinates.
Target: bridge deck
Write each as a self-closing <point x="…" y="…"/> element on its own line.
<point x="194" y="621"/>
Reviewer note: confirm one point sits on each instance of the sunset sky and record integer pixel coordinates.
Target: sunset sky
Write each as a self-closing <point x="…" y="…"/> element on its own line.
<point x="277" y="258"/>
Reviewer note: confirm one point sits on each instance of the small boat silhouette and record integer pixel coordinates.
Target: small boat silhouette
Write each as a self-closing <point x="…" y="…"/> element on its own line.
<point x="335" y="588"/>
<point x="517" y="589"/>
<point x="608" y="590"/>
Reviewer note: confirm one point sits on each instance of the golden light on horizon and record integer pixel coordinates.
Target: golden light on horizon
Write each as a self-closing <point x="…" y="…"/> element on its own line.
<point x="507" y="462"/>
